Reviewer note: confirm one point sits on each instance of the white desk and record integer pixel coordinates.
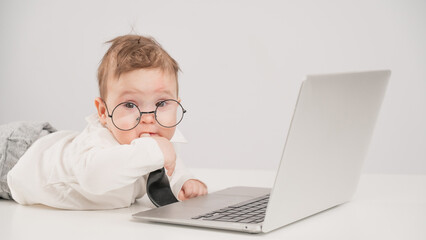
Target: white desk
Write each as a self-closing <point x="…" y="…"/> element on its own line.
<point x="385" y="207"/>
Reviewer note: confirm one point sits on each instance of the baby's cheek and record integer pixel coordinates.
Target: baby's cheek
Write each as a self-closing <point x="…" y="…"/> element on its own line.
<point x="167" y="132"/>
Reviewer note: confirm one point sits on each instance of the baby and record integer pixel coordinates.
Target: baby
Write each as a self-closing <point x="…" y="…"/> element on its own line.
<point x="106" y="166"/>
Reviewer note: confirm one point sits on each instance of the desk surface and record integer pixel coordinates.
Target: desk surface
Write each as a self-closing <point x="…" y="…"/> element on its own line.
<point x="384" y="207"/>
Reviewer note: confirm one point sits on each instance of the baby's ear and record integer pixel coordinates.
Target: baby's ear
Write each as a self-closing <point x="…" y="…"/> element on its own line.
<point x="102" y="112"/>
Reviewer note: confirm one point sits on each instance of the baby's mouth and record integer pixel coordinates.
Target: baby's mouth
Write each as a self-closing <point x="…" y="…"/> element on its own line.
<point x="147" y="135"/>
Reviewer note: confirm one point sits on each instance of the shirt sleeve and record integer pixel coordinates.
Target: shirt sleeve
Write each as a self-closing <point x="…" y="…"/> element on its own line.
<point x="107" y="169"/>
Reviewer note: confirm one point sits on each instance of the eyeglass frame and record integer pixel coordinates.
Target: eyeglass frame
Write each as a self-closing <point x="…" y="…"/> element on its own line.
<point x="140" y="116"/>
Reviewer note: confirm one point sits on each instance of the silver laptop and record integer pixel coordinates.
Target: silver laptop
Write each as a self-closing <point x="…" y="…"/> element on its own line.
<point x="320" y="165"/>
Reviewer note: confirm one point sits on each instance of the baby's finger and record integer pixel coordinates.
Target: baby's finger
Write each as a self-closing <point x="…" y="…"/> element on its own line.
<point x="202" y="191"/>
<point x="197" y="190"/>
<point x="194" y="191"/>
<point x="181" y="195"/>
<point x="189" y="191"/>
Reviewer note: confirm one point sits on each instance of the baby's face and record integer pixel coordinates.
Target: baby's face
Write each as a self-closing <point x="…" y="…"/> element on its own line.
<point x="144" y="88"/>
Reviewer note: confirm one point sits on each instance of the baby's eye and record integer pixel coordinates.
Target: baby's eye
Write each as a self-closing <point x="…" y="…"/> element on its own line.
<point x="161" y="104"/>
<point x="129" y="105"/>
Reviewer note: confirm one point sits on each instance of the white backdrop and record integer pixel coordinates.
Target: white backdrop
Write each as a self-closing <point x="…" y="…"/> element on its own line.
<point x="242" y="61"/>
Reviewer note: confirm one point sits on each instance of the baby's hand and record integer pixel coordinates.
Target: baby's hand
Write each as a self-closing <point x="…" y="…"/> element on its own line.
<point x="192" y="188"/>
<point x="169" y="154"/>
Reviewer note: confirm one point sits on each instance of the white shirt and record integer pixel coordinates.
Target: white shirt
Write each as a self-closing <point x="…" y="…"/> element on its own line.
<point x="89" y="170"/>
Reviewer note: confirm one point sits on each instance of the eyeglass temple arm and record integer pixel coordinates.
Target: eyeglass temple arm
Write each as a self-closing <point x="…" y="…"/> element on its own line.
<point x="106" y="107"/>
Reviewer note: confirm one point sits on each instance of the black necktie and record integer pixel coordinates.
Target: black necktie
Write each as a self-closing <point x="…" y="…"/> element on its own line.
<point x="158" y="188"/>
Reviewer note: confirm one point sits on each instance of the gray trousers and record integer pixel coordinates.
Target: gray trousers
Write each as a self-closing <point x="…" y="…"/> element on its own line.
<point x="15" y="139"/>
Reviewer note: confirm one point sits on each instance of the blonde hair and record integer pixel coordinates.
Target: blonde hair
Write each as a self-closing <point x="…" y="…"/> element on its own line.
<point x="131" y="52"/>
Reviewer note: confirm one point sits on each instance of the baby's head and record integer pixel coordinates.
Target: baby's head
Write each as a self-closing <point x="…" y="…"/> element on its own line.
<point x="137" y="75"/>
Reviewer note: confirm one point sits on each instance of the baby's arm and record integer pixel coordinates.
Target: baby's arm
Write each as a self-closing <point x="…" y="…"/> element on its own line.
<point x="103" y="170"/>
<point x="183" y="183"/>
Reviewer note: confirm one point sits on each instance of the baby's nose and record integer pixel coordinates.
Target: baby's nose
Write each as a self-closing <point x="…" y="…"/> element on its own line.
<point x="147" y="118"/>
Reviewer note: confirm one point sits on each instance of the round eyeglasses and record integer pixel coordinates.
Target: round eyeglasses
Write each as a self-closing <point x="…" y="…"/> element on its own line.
<point x="126" y="115"/>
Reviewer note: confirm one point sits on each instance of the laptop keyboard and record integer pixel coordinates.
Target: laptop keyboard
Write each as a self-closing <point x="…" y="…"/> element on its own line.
<point x="252" y="211"/>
